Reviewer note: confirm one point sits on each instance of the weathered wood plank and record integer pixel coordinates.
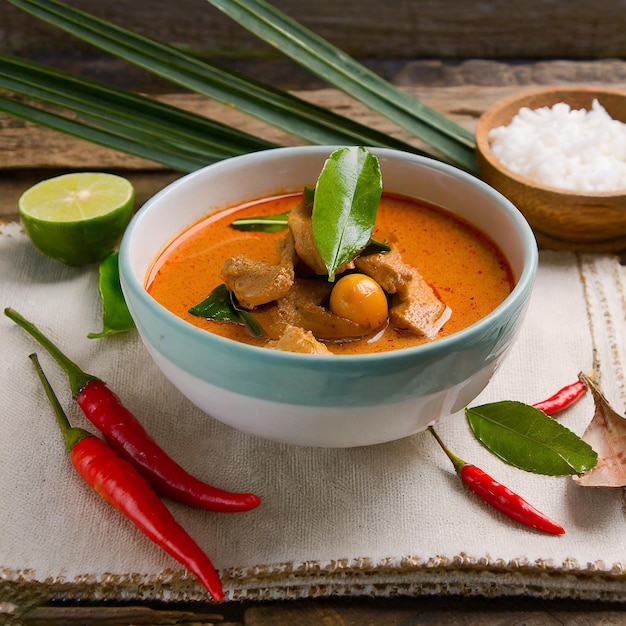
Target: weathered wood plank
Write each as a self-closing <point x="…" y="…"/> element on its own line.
<point x="405" y="28"/>
<point x="119" y="616"/>
<point x="434" y="612"/>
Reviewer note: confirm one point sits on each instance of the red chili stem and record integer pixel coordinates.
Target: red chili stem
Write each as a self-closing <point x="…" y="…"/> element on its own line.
<point x="497" y="495"/>
<point x="130" y="439"/>
<point x="120" y="484"/>
<point x="458" y="462"/>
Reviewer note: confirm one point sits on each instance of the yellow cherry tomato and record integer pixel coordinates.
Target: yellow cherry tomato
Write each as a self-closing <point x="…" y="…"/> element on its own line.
<point x="360" y="299"/>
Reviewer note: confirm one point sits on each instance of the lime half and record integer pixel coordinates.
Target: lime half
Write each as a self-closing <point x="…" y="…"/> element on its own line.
<point x="77" y="218"/>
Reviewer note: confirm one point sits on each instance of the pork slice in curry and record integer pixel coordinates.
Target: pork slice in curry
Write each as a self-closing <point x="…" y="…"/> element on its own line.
<point x="296" y="339"/>
<point x="301" y="227"/>
<point x="258" y="282"/>
<point x="300" y="303"/>
<point x="304" y="306"/>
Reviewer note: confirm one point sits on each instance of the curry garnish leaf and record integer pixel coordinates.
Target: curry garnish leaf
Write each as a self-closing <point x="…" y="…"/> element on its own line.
<point x="216" y="306"/>
<point x="374" y="247"/>
<point x="116" y="317"/>
<point x="249" y="321"/>
<point x="528" y="439"/>
<point x="346" y="201"/>
<point x="308" y="195"/>
<point x="262" y="223"/>
<point x="222" y="306"/>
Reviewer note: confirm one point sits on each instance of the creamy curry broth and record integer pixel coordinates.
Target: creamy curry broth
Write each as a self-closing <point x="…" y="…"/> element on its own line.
<point x="468" y="272"/>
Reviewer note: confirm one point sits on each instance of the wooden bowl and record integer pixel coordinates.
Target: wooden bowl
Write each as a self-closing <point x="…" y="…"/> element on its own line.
<point x="561" y="219"/>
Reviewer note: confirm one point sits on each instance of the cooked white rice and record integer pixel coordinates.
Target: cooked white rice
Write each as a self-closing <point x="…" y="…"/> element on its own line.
<point x="570" y="149"/>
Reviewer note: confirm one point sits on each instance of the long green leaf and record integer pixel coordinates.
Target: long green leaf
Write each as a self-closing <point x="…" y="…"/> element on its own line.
<point x="99" y="136"/>
<point x="131" y="113"/>
<point x="262" y="223"/>
<point x="339" y="69"/>
<point x="134" y="135"/>
<point x="273" y="106"/>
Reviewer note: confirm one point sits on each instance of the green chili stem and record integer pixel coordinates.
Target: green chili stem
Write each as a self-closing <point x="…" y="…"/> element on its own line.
<point x="456" y="461"/>
<point x="77" y="377"/>
<point x="71" y="435"/>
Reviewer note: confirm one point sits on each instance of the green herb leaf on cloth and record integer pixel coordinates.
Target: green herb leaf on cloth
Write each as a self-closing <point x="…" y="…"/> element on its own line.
<point x="116" y="317"/>
<point x="527" y="438"/>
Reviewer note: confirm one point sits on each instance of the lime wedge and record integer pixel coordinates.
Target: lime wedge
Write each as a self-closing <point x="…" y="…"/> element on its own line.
<point x="77" y="218"/>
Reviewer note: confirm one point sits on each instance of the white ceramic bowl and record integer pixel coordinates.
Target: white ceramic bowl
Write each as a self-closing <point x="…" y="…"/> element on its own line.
<point x="324" y="400"/>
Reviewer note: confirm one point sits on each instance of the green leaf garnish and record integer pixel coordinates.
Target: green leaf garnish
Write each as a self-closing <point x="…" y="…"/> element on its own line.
<point x="249" y="321"/>
<point x="222" y="306"/>
<point x="116" y="317"/>
<point x="216" y="306"/>
<point x="262" y="223"/>
<point x="528" y="439"/>
<point x="308" y="195"/>
<point x="374" y="247"/>
<point x="346" y="201"/>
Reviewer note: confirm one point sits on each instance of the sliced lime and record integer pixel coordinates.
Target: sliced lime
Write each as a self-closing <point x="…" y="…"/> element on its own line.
<point x="77" y="218"/>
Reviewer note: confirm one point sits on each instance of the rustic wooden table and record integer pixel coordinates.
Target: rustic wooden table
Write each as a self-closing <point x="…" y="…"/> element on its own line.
<point x="462" y="91"/>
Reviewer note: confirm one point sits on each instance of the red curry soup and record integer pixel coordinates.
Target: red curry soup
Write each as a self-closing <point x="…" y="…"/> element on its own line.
<point x="464" y="268"/>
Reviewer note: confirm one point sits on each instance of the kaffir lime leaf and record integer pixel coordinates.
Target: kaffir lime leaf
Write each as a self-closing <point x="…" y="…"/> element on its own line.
<point x="77" y="218"/>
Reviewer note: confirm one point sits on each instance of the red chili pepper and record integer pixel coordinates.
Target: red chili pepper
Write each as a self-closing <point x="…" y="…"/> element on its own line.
<point x="562" y="399"/>
<point x="122" y="486"/>
<point x="499" y="496"/>
<point x="130" y="439"/>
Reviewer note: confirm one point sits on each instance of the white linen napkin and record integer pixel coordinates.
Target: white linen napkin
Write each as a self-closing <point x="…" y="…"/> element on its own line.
<point x="390" y="519"/>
